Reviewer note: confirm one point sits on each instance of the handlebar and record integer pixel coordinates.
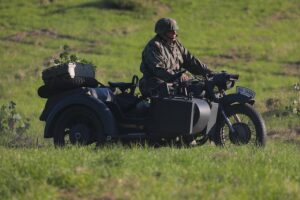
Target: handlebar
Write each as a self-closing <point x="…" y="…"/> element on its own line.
<point x="234" y="77"/>
<point x="224" y="76"/>
<point x="223" y="81"/>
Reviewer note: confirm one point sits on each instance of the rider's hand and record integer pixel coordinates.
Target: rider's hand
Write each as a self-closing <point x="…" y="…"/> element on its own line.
<point x="210" y="74"/>
<point x="184" y="77"/>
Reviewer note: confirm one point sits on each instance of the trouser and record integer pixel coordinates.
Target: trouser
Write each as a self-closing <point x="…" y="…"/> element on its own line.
<point x="156" y="87"/>
<point x="150" y="87"/>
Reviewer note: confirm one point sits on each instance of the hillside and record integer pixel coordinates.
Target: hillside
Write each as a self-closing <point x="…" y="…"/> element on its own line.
<point x="257" y="39"/>
<point x="260" y="41"/>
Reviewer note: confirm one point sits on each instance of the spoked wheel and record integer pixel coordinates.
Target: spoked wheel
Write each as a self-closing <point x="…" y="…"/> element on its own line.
<point x="248" y="125"/>
<point x="78" y="125"/>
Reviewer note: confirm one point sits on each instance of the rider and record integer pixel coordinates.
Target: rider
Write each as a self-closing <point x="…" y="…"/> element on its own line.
<point x="164" y="56"/>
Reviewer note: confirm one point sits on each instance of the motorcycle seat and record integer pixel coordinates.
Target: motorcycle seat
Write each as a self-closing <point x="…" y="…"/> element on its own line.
<point x="121" y="85"/>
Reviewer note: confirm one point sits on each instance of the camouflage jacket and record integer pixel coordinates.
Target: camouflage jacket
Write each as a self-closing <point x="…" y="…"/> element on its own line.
<point x="162" y="60"/>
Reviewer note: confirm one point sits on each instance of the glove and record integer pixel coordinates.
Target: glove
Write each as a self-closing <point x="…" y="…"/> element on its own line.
<point x="184" y="77"/>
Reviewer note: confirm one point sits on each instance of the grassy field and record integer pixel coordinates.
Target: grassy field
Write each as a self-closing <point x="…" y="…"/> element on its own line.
<point x="117" y="172"/>
<point x="258" y="39"/>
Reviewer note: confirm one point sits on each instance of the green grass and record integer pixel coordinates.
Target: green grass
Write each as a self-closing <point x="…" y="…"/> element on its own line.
<point x="120" y="172"/>
<point x="258" y="39"/>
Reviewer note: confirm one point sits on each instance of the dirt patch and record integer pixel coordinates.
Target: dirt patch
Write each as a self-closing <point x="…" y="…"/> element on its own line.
<point x="237" y="54"/>
<point x="34" y="36"/>
<point x="291" y="135"/>
<point x="120" y="31"/>
<point x="21" y="36"/>
<point x="227" y="59"/>
<point x="37" y="38"/>
<point x="292" y="68"/>
<point x="216" y="61"/>
<point x="279" y="16"/>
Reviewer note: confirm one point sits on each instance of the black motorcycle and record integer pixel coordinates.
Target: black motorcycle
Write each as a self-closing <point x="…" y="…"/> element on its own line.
<point x="237" y="120"/>
<point x="191" y="112"/>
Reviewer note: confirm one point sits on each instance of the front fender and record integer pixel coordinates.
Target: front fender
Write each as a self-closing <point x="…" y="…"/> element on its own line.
<point x="100" y="108"/>
<point x="236" y="98"/>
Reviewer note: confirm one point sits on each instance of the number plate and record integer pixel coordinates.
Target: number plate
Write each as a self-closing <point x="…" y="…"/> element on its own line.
<point x="245" y="91"/>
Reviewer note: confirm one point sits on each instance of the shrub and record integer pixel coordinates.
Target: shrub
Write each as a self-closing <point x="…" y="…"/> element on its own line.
<point x="65" y="57"/>
<point x="11" y="121"/>
<point x="122" y="4"/>
<point x="129" y="4"/>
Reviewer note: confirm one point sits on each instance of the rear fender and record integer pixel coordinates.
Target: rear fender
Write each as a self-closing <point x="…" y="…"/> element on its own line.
<point x="100" y="109"/>
<point x="236" y="98"/>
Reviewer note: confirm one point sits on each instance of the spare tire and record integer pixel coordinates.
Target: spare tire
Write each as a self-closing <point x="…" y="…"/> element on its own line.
<point x="61" y="85"/>
<point x="70" y="83"/>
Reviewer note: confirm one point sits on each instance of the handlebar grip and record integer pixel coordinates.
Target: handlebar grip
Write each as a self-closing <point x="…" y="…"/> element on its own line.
<point x="234" y="76"/>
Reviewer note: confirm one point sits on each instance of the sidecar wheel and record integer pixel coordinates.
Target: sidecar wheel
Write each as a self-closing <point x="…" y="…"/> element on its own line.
<point x="248" y="124"/>
<point x="78" y="125"/>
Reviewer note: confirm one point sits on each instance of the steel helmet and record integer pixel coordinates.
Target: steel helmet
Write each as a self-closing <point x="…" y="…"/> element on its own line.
<point x="164" y="25"/>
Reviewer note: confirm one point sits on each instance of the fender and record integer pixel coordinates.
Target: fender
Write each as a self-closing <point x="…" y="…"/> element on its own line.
<point x="99" y="107"/>
<point x="236" y="98"/>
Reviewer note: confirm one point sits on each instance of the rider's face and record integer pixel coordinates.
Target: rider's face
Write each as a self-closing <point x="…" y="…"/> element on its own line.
<point x="171" y="35"/>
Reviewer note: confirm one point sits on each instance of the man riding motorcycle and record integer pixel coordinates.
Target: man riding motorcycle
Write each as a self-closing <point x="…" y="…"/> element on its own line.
<point x="164" y="56"/>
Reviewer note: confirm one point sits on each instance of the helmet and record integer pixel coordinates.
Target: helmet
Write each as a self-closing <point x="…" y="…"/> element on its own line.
<point x="164" y="25"/>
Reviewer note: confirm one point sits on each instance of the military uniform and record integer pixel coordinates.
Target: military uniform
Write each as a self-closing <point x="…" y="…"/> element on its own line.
<point x="162" y="59"/>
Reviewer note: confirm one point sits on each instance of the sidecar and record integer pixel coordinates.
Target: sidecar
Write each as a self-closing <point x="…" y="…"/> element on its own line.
<point x="98" y="113"/>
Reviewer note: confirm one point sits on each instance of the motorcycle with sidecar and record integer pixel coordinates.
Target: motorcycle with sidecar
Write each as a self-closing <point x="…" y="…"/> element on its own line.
<point x="81" y="110"/>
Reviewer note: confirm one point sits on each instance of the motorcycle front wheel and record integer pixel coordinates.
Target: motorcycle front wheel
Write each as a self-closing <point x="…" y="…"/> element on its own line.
<point x="248" y="127"/>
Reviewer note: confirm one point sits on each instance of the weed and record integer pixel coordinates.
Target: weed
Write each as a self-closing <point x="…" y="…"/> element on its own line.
<point x="13" y="127"/>
<point x="294" y="107"/>
<point x="65" y="57"/>
<point x="11" y="121"/>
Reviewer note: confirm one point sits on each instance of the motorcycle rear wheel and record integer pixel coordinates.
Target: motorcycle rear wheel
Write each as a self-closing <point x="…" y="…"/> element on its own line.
<point x="248" y="124"/>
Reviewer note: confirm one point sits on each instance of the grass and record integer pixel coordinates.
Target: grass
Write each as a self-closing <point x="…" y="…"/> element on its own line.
<point x="257" y="39"/>
<point x="118" y="172"/>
